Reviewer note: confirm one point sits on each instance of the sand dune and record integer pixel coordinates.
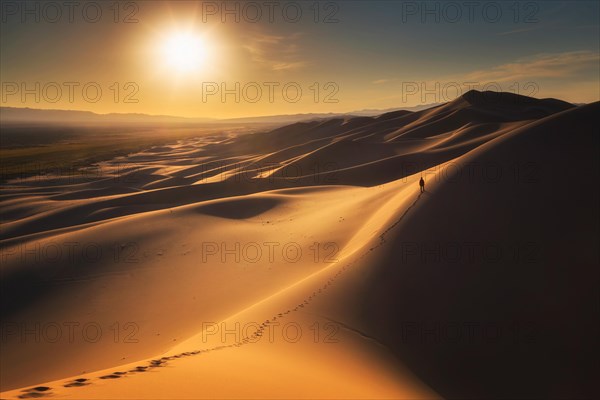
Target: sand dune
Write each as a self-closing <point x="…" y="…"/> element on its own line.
<point x="303" y="262"/>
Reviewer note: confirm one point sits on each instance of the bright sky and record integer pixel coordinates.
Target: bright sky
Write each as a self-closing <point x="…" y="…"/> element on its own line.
<point x="180" y="58"/>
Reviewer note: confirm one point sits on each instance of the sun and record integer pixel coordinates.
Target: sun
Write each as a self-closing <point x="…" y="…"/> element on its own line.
<point x="184" y="51"/>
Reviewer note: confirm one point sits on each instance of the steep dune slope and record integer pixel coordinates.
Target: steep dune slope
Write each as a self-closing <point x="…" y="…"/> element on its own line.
<point x="492" y="277"/>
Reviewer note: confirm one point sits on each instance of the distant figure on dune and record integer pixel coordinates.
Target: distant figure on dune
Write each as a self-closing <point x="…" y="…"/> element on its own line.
<point x="422" y="184"/>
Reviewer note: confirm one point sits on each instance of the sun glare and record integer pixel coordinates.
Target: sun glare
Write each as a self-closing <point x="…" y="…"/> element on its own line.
<point x="184" y="52"/>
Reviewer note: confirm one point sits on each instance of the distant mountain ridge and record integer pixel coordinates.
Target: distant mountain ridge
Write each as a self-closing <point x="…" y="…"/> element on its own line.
<point x="473" y="98"/>
<point x="35" y="115"/>
<point x="55" y="116"/>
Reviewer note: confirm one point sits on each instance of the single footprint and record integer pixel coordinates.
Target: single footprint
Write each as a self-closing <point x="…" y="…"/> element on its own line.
<point x="111" y="376"/>
<point x="155" y="363"/>
<point x="77" y="382"/>
<point x="38" y="391"/>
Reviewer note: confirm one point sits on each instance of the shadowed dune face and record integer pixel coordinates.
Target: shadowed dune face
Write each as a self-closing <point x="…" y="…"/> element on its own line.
<point x="238" y="208"/>
<point x="165" y="222"/>
<point x="493" y="287"/>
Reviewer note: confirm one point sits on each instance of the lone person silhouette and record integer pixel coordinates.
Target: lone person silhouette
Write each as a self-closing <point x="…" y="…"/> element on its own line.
<point x="422" y="184"/>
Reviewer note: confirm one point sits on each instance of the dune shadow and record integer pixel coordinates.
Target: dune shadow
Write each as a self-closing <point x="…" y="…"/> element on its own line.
<point x="238" y="208"/>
